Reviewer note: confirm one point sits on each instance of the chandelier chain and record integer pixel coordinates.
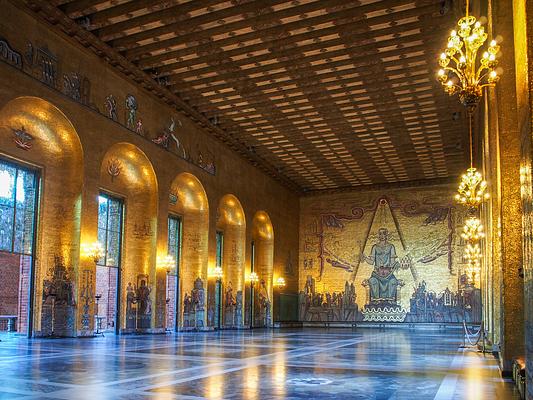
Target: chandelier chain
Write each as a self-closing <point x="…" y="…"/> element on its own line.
<point x="471" y="141"/>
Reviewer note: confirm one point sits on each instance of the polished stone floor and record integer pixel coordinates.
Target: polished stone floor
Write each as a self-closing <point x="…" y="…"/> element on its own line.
<point x="260" y="364"/>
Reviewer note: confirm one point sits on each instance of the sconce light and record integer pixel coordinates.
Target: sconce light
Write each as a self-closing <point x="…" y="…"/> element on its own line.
<point x="254" y="278"/>
<point x="94" y="251"/>
<point x="218" y="273"/>
<point x="168" y="262"/>
<point x="280" y="282"/>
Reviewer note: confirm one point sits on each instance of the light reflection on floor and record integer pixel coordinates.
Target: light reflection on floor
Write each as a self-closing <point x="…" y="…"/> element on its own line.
<point x="259" y="364"/>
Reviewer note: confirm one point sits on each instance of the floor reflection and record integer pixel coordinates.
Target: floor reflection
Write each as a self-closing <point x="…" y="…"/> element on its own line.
<point x="259" y="364"/>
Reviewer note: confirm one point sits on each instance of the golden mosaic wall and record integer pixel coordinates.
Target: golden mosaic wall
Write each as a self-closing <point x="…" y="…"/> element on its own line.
<point x="337" y="237"/>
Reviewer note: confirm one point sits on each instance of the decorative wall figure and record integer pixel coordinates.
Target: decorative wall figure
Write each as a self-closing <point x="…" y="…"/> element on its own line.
<point x="141" y="231"/>
<point x="198" y="303"/>
<point x="22" y="138"/>
<point x="114" y="168"/>
<point x="58" y="307"/>
<point x="144" y="303"/>
<point x="131" y="106"/>
<point x="110" y="106"/>
<point x="164" y="139"/>
<point x="205" y="160"/>
<point x="238" y="309"/>
<point x="265" y="314"/>
<point x="131" y="307"/>
<point x="289" y="266"/>
<point x="87" y="296"/>
<point x="188" y="312"/>
<point x="143" y="298"/>
<point x="9" y="55"/>
<point x="72" y="86"/>
<point x="229" y="306"/>
<point x="139" y="127"/>
<point x="43" y="63"/>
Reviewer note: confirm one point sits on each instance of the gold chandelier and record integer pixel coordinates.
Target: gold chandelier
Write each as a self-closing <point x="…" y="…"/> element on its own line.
<point x="461" y="72"/>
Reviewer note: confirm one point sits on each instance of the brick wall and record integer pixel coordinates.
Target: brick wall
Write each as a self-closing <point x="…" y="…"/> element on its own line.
<point x="9" y="292"/>
<point x="15" y="273"/>
<point x="171" y="305"/>
<point x="24" y="289"/>
<point x="106" y="286"/>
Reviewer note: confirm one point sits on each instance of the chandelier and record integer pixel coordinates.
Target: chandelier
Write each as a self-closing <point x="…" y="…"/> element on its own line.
<point x="473" y="230"/>
<point x="461" y="72"/>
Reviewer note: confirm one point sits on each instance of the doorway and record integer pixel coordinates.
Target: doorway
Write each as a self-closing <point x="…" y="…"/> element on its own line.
<point x="110" y="217"/>
<point x="173" y="276"/>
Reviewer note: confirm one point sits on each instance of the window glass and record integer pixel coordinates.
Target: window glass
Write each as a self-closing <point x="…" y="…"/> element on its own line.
<point x="174" y="240"/>
<point x="109" y="229"/>
<point x="18" y="188"/>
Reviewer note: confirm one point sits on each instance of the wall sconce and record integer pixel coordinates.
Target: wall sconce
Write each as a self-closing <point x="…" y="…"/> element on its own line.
<point x="168" y="262"/>
<point x="253" y="278"/>
<point x="280" y="282"/>
<point x="94" y="251"/>
<point x="218" y="273"/>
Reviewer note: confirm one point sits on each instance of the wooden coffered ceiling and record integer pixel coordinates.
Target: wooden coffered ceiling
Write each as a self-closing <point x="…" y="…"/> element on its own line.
<point x="322" y="94"/>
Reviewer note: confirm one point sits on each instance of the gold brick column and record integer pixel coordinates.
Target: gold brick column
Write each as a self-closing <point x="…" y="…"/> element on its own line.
<point x="523" y="12"/>
<point x="512" y="295"/>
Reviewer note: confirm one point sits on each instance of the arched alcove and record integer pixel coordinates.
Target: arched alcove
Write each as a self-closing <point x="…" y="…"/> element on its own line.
<point x="263" y="263"/>
<point x="188" y="200"/>
<point x="35" y="133"/>
<point x="127" y="177"/>
<point x="231" y="224"/>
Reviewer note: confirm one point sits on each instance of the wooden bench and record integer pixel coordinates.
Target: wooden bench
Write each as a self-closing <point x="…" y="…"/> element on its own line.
<point x="11" y="322"/>
<point x="519" y="375"/>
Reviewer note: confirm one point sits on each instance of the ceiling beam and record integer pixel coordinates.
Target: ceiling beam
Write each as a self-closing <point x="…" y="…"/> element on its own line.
<point x="192" y="24"/>
<point x="365" y="53"/>
<point x="80" y="8"/>
<point x="102" y="18"/>
<point x="311" y="81"/>
<point x="197" y="37"/>
<point x="357" y="31"/>
<point x="445" y="181"/>
<point x="172" y="13"/>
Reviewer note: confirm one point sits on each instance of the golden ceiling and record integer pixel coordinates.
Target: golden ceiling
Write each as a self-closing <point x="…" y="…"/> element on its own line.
<point x="322" y="94"/>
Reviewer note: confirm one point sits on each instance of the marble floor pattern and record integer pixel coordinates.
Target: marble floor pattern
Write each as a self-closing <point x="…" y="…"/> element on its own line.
<point x="260" y="364"/>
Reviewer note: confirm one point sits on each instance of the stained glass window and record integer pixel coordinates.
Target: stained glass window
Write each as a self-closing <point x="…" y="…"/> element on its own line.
<point x="18" y="190"/>
<point x="109" y="229"/>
